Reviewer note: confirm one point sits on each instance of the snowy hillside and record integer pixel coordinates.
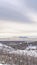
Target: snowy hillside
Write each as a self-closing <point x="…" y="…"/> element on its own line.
<point x="13" y="55"/>
<point x="31" y="52"/>
<point x="6" y="49"/>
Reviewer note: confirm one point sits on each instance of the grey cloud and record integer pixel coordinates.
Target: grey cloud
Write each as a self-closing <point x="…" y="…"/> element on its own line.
<point x="12" y="15"/>
<point x="12" y="12"/>
<point x="32" y="4"/>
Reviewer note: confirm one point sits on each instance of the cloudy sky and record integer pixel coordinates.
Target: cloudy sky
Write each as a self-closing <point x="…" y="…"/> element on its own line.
<point x="18" y="18"/>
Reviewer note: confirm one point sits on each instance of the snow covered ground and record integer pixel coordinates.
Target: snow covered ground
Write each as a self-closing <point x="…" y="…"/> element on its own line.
<point x="4" y="64"/>
<point x="8" y="64"/>
<point x="6" y="48"/>
<point x="31" y="52"/>
<point x="10" y="50"/>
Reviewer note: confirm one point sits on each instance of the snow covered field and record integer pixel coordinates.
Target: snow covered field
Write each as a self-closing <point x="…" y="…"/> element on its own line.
<point x="15" y="55"/>
<point x="30" y="50"/>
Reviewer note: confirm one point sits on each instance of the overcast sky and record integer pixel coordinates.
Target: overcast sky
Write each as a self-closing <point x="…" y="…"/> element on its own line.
<point x="18" y="18"/>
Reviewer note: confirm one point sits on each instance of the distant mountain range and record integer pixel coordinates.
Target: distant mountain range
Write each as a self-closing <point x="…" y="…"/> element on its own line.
<point x="23" y="37"/>
<point x="20" y="38"/>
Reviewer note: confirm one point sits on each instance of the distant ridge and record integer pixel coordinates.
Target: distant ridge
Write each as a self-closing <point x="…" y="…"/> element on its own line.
<point x="19" y="39"/>
<point x="23" y="37"/>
